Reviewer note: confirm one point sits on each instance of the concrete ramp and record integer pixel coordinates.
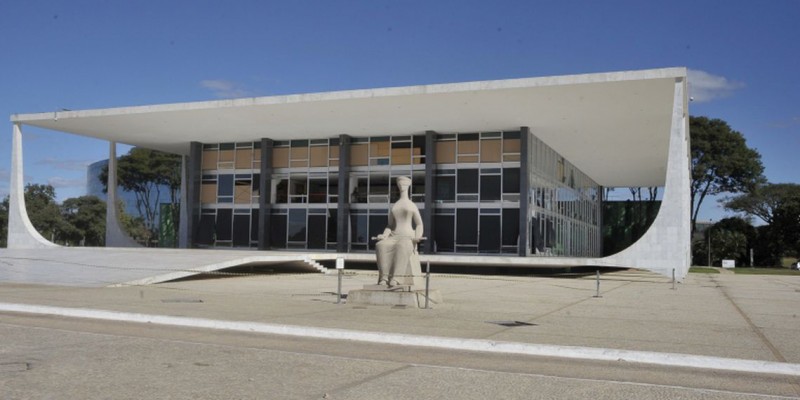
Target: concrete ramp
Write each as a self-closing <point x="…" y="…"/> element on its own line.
<point x="100" y="267"/>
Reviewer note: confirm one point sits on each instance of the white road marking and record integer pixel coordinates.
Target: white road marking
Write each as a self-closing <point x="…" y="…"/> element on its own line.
<point x="490" y="346"/>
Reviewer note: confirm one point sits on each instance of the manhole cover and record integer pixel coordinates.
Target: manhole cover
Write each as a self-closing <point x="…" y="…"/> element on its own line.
<point x="14" y="367"/>
<point x="510" y="323"/>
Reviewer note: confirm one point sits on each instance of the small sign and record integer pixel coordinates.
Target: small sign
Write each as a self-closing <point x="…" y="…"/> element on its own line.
<point x="728" y="263"/>
<point x="339" y="263"/>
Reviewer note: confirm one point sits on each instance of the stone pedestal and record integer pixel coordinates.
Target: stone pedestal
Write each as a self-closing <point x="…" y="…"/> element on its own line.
<point x="378" y="295"/>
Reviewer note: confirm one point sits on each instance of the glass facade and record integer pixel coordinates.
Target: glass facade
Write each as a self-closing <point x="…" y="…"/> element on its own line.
<point x="229" y="195"/>
<point x="477" y="193"/>
<point x="475" y="197"/>
<point x="565" y="206"/>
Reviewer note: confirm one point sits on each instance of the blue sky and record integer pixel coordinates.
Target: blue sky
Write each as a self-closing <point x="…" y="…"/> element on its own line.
<point x="742" y="55"/>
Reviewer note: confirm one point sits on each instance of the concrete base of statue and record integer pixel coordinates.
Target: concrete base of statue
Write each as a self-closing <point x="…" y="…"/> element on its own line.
<point x="380" y="295"/>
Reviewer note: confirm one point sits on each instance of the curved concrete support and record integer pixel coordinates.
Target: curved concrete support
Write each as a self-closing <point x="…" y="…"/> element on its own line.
<point x="21" y="233"/>
<point x="115" y="236"/>
<point x="666" y="245"/>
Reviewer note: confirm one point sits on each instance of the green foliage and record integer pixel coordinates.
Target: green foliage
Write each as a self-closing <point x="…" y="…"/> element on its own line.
<point x="625" y="222"/>
<point x="133" y="226"/>
<point x="765" y="271"/>
<point x="703" y="270"/>
<point x="44" y="213"/>
<point x="144" y="172"/>
<point x="4" y="222"/>
<point x="777" y="204"/>
<point x="721" y="162"/>
<point x="726" y="244"/>
<point x="87" y="216"/>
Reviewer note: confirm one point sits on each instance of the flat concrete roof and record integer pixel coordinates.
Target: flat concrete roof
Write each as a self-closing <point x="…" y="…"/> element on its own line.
<point x="613" y="126"/>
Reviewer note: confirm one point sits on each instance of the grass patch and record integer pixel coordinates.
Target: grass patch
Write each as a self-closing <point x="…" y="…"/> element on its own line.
<point x="703" y="270"/>
<point x="765" y="271"/>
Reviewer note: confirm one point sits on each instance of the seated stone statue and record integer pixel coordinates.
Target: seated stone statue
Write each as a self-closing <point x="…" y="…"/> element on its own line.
<point x="396" y="250"/>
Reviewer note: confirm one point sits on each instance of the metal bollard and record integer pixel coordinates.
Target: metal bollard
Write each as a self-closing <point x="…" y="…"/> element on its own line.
<point x="597" y="295"/>
<point x="673" y="280"/>
<point x="427" y="282"/>
<point x="340" y="270"/>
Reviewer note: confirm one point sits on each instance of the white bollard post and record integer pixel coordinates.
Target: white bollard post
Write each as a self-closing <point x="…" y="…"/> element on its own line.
<point x="598" y="285"/>
<point x="340" y="270"/>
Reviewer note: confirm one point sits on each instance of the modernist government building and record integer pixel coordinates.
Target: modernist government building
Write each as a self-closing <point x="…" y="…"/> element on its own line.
<point x="506" y="172"/>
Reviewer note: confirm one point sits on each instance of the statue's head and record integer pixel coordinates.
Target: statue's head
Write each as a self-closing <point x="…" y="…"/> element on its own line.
<point x="403" y="182"/>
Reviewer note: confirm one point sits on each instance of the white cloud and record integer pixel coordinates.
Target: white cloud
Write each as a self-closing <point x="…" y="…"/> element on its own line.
<point x="704" y="87"/>
<point x="66" y="165"/>
<point x="60" y="183"/>
<point x="224" y="89"/>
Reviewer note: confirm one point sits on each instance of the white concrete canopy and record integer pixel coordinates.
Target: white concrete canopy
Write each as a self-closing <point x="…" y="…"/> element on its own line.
<point x="613" y="126"/>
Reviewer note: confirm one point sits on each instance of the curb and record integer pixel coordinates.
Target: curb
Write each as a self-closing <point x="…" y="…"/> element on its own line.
<point x="481" y="345"/>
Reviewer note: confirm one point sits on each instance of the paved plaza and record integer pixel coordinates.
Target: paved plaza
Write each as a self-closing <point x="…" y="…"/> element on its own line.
<point x="733" y="318"/>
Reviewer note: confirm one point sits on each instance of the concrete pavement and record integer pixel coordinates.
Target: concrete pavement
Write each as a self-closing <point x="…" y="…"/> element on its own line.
<point x="731" y="316"/>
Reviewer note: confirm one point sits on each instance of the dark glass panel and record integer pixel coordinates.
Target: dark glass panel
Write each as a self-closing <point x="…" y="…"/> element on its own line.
<point x="510" y="180"/>
<point x="297" y="226"/>
<point x="256" y="183"/>
<point x="225" y="185"/>
<point x="359" y="233"/>
<point x="223" y="227"/>
<point x="332" y="225"/>
<point x="205" y="230"/>
<point x="254" y="225"/>
<point x="467" y="180"/>
<point x="379" y="184"/>
<point x="490" y="187"/>
<point x="445" y="188"/>
<point x="227" y="146"/>
<point x="360" y="191"/>
<point x="510" y="226"/>
<point x="467" y="226"/>
<point x="511" y="135"/>
<point x="489" y="239"/>
<point x="418" y="142"/>
<point x="377" y="224"/>
<point x="317" y="191"/>
<point x="468" y="136"/>
<point x="282" y="191"/>
<point x="278" y="231"/>
<point x="241" y="230"/>
<point x="299" y="143"/>
<point x="445" y="232"/>
<point x="316" y="235"/>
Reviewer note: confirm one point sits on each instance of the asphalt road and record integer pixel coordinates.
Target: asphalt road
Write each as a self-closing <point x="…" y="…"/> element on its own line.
<point x="45" y="357"/>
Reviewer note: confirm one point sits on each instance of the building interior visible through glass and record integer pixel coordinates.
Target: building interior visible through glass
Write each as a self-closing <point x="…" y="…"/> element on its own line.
<point x="476" y="196"/>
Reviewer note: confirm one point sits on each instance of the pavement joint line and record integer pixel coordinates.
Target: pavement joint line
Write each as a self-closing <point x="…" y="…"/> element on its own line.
<point x="463" y="344"/>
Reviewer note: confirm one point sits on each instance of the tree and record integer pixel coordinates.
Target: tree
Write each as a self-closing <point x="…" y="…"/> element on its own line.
<point x="777" y="204"/>
<point x="146" y="172"/>
<point x="731" y="238"/>
<point x="4" y="222"/>
<point x="86" y="215"/>
<point x="44" y="213"/>
<point x="721" y="162"/>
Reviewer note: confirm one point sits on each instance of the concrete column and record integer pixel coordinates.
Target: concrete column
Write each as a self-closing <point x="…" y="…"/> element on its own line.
<point x="115" y="235"/>
<point x="264" y="204"/>
<point x="343" y="206"/>
<point x="666" y="244"/>
<point x="193" y="180"/>
<point x="430" y="190"/>
<point x="524" y="190"/>
<point x="21" y="233"/>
